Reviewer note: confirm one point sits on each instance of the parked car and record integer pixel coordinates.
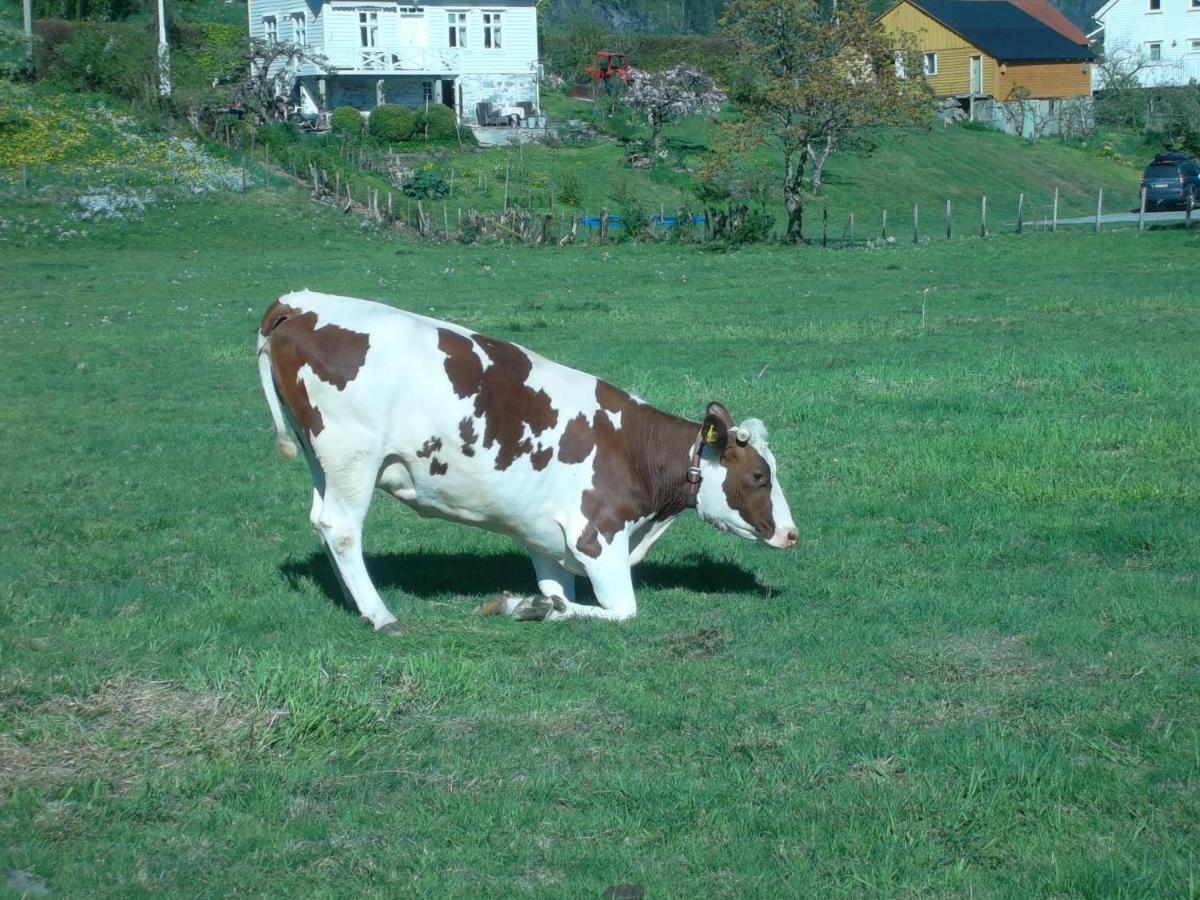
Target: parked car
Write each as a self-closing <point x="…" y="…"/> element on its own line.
<point x="1172" y="181"/>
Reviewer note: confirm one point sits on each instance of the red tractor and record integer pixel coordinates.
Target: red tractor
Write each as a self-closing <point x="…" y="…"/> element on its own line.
<point x="609" y="65"/>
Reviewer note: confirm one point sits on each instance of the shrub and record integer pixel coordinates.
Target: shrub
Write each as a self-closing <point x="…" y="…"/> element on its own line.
<point x="347" y="120"/>
<point x="277" y="135"/>
<point x="425" y="184"/>
<point x="391" y="122"/>
<point x="569" y="189"/>
<point x="439" y="120"/>
<point x="112" y="58"/>
<point x="51" y="35"/>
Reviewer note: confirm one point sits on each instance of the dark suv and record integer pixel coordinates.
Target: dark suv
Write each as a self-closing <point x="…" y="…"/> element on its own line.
<point x="1172" y="181"/>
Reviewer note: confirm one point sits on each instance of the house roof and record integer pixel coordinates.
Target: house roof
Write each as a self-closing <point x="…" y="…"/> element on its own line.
<point x="1003" y="31"/>
<point x="1044" y="11"/>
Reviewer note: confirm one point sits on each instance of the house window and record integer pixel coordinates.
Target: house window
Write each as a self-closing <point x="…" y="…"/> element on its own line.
<point x="427" y="91"/>
<point x="1155" y="5"/>
<point x="299" y="30"/>
<point x="458" y="29"/>
<point x="368" y="28"/>
<point x="1194" y="45"/>
<point x="412" y="10"/>
<point x="930" y="65"/>
<point x="270" y="29"/>
<point x="491" y="30"/>
<point x="1154" y="51"/>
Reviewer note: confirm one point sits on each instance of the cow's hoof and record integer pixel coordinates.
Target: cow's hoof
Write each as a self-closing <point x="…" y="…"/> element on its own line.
<point x="496" y="605"/>
<point x="391" y="629"/>
<point x="537" y="607"/>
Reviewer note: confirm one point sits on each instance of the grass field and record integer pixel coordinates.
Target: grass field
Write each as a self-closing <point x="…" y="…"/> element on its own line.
<point x="978" y="674"/>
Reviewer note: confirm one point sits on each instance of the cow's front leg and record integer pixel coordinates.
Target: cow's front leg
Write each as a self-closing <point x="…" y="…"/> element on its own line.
<point x="612" y="582"/>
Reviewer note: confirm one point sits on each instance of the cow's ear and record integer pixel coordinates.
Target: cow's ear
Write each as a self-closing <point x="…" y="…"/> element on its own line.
<point x="715" y="430"/>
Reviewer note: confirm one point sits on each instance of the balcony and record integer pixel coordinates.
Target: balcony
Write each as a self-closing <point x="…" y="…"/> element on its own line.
<point x="391" y="61"/>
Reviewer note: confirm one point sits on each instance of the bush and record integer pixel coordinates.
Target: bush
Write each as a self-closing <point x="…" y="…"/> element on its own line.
<point x="347" y="120"/>
<point x="569" y="189"/>
<point x="277" y="135"/>
<point x="439" y="120"/>
<point x="391" y="122"/>
<point x="51" y="35"/>
<point x="425" y="185"/>
<point x="110" y="58"/>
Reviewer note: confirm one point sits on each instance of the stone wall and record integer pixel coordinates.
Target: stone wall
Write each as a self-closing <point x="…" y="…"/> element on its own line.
<point x="1033" y="119"/>
<point x="499" y="90"/>
<point x="361" y="91"/>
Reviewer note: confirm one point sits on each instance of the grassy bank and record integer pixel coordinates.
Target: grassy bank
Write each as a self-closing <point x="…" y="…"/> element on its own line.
<point x="978" y="673"/>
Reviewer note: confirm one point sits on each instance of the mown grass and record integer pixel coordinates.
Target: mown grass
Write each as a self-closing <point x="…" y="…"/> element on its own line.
<point x="977" y="674"/>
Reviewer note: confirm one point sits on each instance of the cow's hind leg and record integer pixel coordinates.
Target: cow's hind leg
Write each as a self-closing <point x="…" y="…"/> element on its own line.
<point x="339" y="521"/>
<point x="553" y="580"/>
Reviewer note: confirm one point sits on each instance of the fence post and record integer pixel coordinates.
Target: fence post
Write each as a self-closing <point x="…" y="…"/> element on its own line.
<point x="851" y="229"/>
<point x="949" y="227"/>
<point x="824" y="226"/>
<point x="983" y="216"/>
<point x="1054" y="219"/>
<point x="506" y="165"/>
<point x="915" y="219"/>
<point x="391" y="218"/>
<point x="603" y="224"/>
<point x="1142" y="210"/>
<point x="883" y="229"/>
<point x="1099" y="207"/>
<point x="1020" y="212"/>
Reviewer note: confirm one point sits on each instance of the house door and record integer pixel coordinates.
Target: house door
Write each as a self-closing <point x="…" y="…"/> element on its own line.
<point x="976" y="75"/>
<point x="448" y="92"/>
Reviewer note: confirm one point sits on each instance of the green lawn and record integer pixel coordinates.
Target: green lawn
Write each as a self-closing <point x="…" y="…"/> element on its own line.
<point x="978" y="674"/>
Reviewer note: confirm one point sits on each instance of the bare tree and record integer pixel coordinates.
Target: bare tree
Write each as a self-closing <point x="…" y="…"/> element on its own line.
<point x="272" y="66"/>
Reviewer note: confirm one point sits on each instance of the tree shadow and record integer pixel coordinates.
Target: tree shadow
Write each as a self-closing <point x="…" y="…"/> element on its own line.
<point x="429" y="575"/>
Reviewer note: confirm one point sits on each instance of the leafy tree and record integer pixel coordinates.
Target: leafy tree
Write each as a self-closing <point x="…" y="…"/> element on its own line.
<point x="668" y="96"/>
<point x="812" y="81"/>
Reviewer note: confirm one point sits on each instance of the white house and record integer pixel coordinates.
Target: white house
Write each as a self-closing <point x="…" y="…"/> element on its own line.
<point x="377" y="52"/>
<point x="1160" y="36"/>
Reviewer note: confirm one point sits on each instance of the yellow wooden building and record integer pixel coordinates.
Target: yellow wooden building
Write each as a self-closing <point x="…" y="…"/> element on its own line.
<point x="975" y="49"/>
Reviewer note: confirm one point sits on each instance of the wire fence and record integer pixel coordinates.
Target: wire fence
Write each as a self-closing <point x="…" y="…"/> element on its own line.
<point x="372" y="195"/>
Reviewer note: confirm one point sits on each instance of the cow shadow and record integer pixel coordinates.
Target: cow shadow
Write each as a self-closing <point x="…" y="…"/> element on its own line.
<point x="431" y="575"/>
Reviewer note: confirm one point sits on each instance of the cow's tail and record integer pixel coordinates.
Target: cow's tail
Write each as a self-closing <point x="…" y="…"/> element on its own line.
<point x="284" y="443"/>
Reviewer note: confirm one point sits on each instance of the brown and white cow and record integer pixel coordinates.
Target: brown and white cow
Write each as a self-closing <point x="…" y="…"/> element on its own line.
<point x="476" y="430"/>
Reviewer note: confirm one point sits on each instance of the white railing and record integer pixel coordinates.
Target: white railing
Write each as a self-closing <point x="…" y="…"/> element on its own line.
<point x="388" y="59"/>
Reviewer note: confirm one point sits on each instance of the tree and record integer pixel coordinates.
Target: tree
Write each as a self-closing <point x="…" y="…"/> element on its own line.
<point x="813" y="80"/>
<point x="272" y="67"/>
<point x="670" y="95"/>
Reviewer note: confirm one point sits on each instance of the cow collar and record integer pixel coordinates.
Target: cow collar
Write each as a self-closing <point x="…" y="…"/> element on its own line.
<point x="693" y="474"/>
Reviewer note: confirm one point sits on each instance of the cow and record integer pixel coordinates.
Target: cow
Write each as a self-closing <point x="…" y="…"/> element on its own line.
<point x="476" y="430"/>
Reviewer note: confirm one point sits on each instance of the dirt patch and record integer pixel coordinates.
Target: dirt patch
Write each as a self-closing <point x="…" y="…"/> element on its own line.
<point x="695" y="644"/>
<point x="125" y="731"/>
<point x="994" y="659"/>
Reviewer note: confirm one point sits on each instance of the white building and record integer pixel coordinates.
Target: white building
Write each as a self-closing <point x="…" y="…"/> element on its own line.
<point x="379" y="52"/>
<point x="1159" y="38"/>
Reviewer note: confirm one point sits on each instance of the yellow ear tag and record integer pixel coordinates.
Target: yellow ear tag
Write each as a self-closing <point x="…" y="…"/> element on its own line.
<point x="711" y="437"/>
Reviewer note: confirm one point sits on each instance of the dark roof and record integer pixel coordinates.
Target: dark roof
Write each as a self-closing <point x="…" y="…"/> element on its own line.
<point x="1003" y="31"/>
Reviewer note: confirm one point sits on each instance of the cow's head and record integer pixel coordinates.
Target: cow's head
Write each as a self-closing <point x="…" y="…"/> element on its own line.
<point x="738" y="490"/>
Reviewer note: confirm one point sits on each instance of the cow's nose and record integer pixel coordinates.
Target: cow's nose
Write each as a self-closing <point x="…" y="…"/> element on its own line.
<point x="789" y="538"/>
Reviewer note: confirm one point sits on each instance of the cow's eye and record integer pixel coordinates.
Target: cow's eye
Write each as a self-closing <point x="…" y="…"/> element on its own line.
<point x="759" y="478"/>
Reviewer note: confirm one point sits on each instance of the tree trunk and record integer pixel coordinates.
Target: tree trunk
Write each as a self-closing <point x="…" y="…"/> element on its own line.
<point x="793" y="197"/>
<point x="818" y="168"/>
